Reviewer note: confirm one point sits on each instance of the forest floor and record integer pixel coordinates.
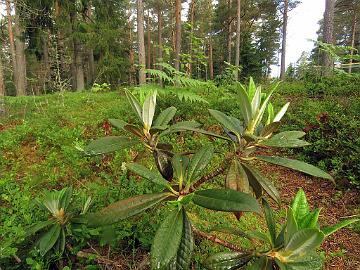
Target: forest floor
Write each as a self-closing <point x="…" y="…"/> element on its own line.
<point x="37" y="141"/>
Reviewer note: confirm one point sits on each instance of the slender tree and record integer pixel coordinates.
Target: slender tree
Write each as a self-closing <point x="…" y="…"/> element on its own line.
<point x="327" y="62"/>
<point x="353" y="34"/>
<point x="237" y="55"/>
<point x="2" y="86"/>
<point x="141" y="42"/>
<point x="12" y="43"/>
<point x="20" y="52"/>
<point x="177" y="33"/>
<point x="283" y="44"/>
<point x="229" y="37"/>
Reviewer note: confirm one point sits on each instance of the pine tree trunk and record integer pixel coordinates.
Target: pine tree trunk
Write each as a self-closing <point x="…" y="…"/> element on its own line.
<point x="283" y="46"/>
<point x="192" y="15"/>
<point x="327" y="61"/>
<point x="211" y="62"/>
<point x="237" y="56"/>
<point x="352" y="43"/>
<point x="132" y="80"/>
<point x="229" y="33"/>
<point x="12" y="43"/>
<point x="148" y="53"/>
<point x="20" y="55"/>
<point x="178" y="33"/>
<point x="46" y="62"/>
<point x="90" y="51"/>
<point x="141" y="42"/>
<point x="160" y="49"/>
<point x="77" y="64"/>
<point x="2" y="88"/>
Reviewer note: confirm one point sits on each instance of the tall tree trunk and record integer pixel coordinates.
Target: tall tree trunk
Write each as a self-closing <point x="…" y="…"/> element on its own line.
<point x="89" y="51"/>
<point x="327" y="61"/>
<point x="160" y="46"/>
<point x="237" y="55"/>
<point x="20" y="54"/>
<point x="192" y="16"/>
<point x="178" y="33"/>
<point x="46" y="61"/>
<point x="77" y="65"/>
<point x="141" y="42"/>
<point x="283" y="46"/>
<point x="211" y="61"/>
<point x="229" y="39"/>
<point x="2" y="88"/>
<point x="352" y="43"/>
<point x="12" y="43"/>
<point x="60" y="59"/>
<point x="132" y="80"/>
<point x="148" y="53"/>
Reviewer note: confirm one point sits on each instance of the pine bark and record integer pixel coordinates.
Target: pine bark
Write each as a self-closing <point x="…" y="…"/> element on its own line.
<point x="327" y="62"/>
<point x="283" y="45"/>
<point x="2" y="88"/>
<point x="229" y="38"/>
<point x="352" y="43"/>
<point x="237" y="55"/>
<point x="12" y="43"/>
<point x="89" y="51"/>
<point x="20" y="54"/>
<point x="77" y="65"/>
<point x="141" y="42"/>
<point x="177" y="33"/>
<point x="160" y="49"/>
<point x="192" y="22"/>
<point x="148" y="53"/>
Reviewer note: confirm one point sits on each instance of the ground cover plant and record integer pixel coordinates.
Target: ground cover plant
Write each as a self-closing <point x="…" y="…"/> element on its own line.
<point x="106" y="180"/>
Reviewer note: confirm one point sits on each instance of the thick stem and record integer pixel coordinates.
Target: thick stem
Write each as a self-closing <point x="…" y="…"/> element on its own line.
<point x="216" y="240"/>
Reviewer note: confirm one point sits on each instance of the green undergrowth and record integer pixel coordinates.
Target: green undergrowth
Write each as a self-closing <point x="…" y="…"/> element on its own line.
<point x="40" y="140"/>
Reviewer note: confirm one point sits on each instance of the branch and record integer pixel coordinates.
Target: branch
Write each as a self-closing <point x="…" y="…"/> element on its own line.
<point x="211" y="175"/>
<point x="216" y="240"/>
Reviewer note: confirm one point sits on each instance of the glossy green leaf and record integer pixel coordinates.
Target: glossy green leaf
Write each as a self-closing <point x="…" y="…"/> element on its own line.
<point x="125" y="208"/>
<point x="281" y="113"/>
<point x="270" y="221"/>
<point x="148" y="110"/>
<point x="48" y="240"/>
<point x="331" y="229"/>
<point x="118" y="123"/>
<point x="134" y="103"/>
<point x="134" y="130"/>
<point x="286" y="139"/>
<point x="198" y="163"/>
<point x="226" y="261"/>
<point x="65" y="197"/>
<point x="270" y="112"/>
<point x="291" y="226"/>
<point x="147" y="174"/>
<point x="260" y="236"/>
<point x="167" y="240"/>
<point x="236" y="177"/>
<point x="227" y="200"/>
<point x="312" y="261"/>
<point x="264" y="182"/>
<point x="303" y="242"/>
<point x="186" y="247"/>
<point x="296" y="165"/>
<point x="256" y="100"/>
<point x="165" y="117"/>
<point x="231" y="123"/>
<point x="108" y="144"/>
<point x="180" y="164"/>
<point x="262" y="263"/>
<point x="310" y="220"/>
<point x="38" y="226"/>
<point x="245" y="106"/>
<point x="299" y="205"/>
